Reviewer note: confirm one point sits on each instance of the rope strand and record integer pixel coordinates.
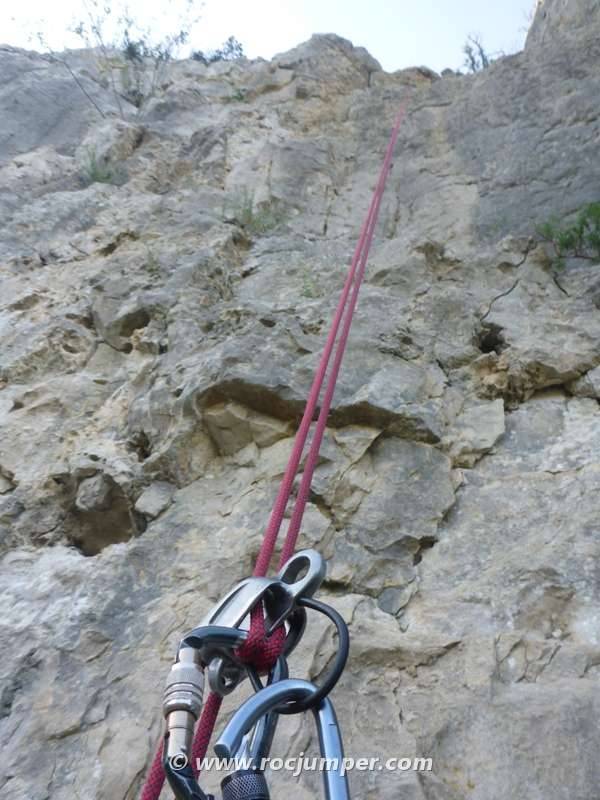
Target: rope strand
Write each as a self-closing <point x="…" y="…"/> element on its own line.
<point x="268" y="546"/>
<point x="258" y="649"/>
<point x="315" y="447"/>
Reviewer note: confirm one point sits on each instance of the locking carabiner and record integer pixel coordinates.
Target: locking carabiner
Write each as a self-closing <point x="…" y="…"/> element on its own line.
<point x="269" y="700"/>
<point x="182" y="704"/>
<point x="182" y="781"/>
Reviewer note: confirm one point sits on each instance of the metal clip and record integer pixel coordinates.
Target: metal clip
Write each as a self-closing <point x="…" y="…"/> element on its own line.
<point x="181" y="707"/>
<point x="256" y="745"/>
<point x="267" y="701"/>
<point x="279" y="594"/>
<point x="216" y="647"/>
<point x="182" y="702"/>
<point x="233" y="609"/>
<point x="183" y="783"/>
<point x="281" y="597"/>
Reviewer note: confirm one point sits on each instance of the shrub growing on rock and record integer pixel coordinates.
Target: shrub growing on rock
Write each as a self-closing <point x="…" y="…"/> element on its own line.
<point x="95" y="170"/>
<point x="256" y="219"/>
<point x="230" y="51"/>
<point x="135" y="54"/>
<point x="476" y="57"/>
<point x="579" y="238"/>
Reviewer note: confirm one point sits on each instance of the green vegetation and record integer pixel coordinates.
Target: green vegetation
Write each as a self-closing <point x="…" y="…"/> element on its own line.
<point x="579" y="238"/>
<point x="152" y="264"/>
<point x="309" y="287"/>
<point x="94" y="171"/>
<point x="229" y="51"/>
<point x="125" y="49"/>
<point x="476" y="57"/>
<point x="257" y="219"/>
<point x="239" y="96"/>
<point x="131" y="58"/>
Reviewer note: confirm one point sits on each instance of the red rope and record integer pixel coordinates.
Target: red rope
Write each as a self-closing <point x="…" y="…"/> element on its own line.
<point x="360" y="255"/>
<point x="357" y="270"/>
<point x="155" y="778"/>
<point x="259" y="650"/>
<point x="208" y="720"/>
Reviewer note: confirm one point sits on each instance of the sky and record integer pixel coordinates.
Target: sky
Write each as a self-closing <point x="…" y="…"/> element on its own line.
<point x="398" y="33"/>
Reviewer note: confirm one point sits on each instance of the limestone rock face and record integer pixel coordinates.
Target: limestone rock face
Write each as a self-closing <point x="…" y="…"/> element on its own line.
<point x="561" y="18"/>
<point x="168" y="275"/>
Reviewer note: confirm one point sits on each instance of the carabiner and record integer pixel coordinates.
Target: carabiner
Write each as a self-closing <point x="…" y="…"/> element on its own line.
<point x="182" y="781"/>
<point x="271" y="699"/>
<point x="256" y="746"/>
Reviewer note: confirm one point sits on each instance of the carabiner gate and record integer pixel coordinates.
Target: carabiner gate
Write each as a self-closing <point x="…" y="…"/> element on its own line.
<point x="269" y="700"/>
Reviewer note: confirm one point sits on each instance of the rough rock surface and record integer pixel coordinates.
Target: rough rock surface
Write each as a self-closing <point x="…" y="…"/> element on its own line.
<point x="159" y="330"/>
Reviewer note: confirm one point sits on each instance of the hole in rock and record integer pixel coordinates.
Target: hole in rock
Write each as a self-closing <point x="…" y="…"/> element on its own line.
<point x="102" y="514"/>
<point x="134" y="321"/>
<point x="491" y="340"/>
<point x="140" y="444"/>
<point x="426" y="543"/>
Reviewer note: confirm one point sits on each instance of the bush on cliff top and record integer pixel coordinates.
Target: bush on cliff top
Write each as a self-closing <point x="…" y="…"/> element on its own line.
<point x="230" y="51"/>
